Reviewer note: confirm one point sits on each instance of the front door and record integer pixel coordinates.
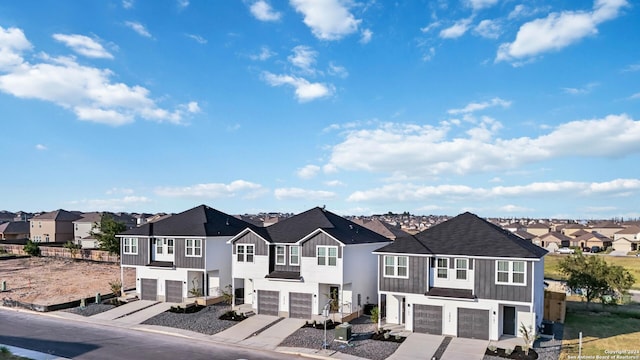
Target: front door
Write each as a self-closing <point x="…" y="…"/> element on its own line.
<point x="509" y="320"/>
<point x="403" y="306"/>
<point x="163" y="249"/>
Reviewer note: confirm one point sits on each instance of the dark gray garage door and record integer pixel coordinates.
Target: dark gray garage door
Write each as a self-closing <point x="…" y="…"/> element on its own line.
<point x="268" y="302"/>
<point x="427" y="319"/>
<point x="300" y="305"/>
<point x="173" y="291"/>
<point x="149" y="289"/>
<point x="473" y="323"/>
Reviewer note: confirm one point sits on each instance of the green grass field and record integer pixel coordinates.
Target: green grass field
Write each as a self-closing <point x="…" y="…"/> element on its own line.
<point x="630" y="263"/>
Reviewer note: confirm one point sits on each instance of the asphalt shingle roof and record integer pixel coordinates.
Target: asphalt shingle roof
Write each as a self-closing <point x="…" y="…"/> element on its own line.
<point x="58" y="215"/>
<point x="469" y="235"/>
<point x="200" y="221"/>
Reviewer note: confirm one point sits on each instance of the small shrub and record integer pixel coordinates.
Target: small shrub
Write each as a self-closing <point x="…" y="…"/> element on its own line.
<point x="508" y="351"/>
<point x="73" y="248"/>
<point x="375" y="313"/>
<point x="4" y="350"/>
<point x="386" y="336"/>
<point x="492" y="348"/>
<point x="32" y="248"/>
<point x="116" y="287"/>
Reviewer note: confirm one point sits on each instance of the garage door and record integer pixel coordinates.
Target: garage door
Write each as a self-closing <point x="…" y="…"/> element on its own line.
<point x="173" y="291"/>
<point x="149" y="289"/>
<point x="427" y="319"/>
<point x="268" y="302"/>
<point x="300" y="305"/>
<point x="473" y="323"/>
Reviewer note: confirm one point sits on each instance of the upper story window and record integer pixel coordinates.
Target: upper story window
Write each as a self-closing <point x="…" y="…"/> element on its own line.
<point x="280" y="255"/>
<point x="327" y="255"/>
<point x="130" y="246"/>
<point x="245" y="252"/>
<point x="159" y="246"/>
<point x="511" y="272"/>
<point x="461" y="269"/>
<point x="396" y="266"/>
<point x="442" y="266"/>
<point x="39" y="224"/>
<point x="294" y="255"/>
<point x="169" y="246"/>
<point x="193" y="247"/>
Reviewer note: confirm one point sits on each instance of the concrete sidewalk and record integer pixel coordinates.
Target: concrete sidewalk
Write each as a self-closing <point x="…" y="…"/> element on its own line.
<point x="244" y="329"/>
<point x="468" y="349"/>
<point x="274" y="335"/>
<point x="142" y="315"/>
<point x="418" y="346"/>
<point x="123" y="310"/>
<point x="30" y="354"/>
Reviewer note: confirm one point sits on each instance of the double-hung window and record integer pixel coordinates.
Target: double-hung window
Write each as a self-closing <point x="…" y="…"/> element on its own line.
<point x="327" y="255"/>
<point x="159" y="248"/>
<point x="294" y="255"/>
<point x="461" y="269"/>
<point x="130" y="246"/>
<point x="442" y="268"/>
<point x="280" y="255"/>
<point x="396" y="266"/>
<point x="170" y="246"/>
<point x="244" y="252"/>
<point x="511" y="272"/>
<point x="193" y="247"/>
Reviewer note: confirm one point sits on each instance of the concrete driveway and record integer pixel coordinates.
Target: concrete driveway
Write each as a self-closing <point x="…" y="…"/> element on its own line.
<point x="468" y="349"/>
<point x="417" y="346"/>
<point x="618" y="253"/>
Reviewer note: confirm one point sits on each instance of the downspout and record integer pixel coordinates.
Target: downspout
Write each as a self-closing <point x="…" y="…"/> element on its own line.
<point x="379" y="295"/>
<point x="205" y="277"/>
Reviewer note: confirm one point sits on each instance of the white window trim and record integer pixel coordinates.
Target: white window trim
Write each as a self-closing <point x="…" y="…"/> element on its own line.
<point x="193" y="247"/>
<point x="326" y="254"/>
<point x="395" y="266"/>
<point x="446" y="268"/>
<point x="284" y="255"/>
<point x="297" y="263"/>
<point x="465" y="268"/>
<point x="131" y="242"/>
<point x="244" y="255"/>
<point x="511" y="272"/>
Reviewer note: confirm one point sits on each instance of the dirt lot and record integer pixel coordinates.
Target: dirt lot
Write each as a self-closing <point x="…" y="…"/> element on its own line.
<point x="48" y="281"/>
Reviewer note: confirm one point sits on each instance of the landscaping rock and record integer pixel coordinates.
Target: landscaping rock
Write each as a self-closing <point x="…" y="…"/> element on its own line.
<point x="205" y="321"/>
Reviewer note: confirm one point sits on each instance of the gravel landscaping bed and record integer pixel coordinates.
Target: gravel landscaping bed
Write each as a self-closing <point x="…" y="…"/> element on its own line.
<point x="205" y="321"/>
<point x="361" y="345"/>
<point x="91" y="309"/>
<point x="547" y="349"/>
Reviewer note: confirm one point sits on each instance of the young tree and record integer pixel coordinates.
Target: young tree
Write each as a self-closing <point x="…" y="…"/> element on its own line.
<point x="594" y="276"/>
<point x="105" y="233"/>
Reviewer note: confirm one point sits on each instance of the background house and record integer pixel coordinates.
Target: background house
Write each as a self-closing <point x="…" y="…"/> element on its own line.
<point x="54" y="226"/>
<point x="14" y="230"/>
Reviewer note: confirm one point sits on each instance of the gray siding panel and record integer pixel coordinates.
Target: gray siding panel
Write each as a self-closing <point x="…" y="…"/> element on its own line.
<point x="190" y="262"/>
<point x="287" y="266"/>
<point x="309" y="247"/>
<point x="486" y="288"/>
<point x="415" y="284"/>
<point x="261" y="247"/>
<point x="142" y="258"/>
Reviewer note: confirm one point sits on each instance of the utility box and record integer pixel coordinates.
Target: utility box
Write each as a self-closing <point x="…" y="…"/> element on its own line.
<point x="343" y="332"/>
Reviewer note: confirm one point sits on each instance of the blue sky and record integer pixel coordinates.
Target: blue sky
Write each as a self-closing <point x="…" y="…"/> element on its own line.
<point x="502" y="108"/>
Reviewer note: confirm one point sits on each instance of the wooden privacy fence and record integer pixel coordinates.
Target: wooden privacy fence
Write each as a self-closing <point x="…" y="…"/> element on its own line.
<point x="61" y="252"/>
<point x="555" y="306"/>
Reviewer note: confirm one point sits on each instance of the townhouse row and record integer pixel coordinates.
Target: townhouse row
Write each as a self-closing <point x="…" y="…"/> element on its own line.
<point x="465" y="277"/>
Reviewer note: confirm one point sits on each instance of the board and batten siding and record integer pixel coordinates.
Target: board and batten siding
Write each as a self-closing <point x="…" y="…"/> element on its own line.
<point x="261" y="247"/>
<point x="142" y="258"/>
<point x="309" y="247"/>
<point x="287" y="266"/>
<point x="415" y="284"/>
<point x="189" y="262"/>
<point x="486" y="287"/>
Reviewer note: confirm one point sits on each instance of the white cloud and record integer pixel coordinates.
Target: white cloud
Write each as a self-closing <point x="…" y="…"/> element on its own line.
<point x="263" y="11"/>
<point x="83" y="45"/>
<point x="456" y="30"/>
<point x="430" y="27"/>
<point x="557" y="31"/>
<point x="199" y="39"/>
<point x="182" y="4"/>
<point x="127" y="4"/>
<point x="139" y="28"/>
<point x="115" y="204"/>
<point x="328" y="19"/>
<point x="303" y="58"/>
<point x="297" y="193"/>
<point x="413" y="192"/>
<point x="337" y="70"/>
<point x="308" y="172"/>
<point x="473" y="107"/>
<point x="425" y="150"/>
<point x="304" y="90"/>
<point x="635" y="96"/>
<point x="481" y="4"/>
<point x="366" y="36"/>
<point x="237" y="188"/>
<point x="334" y="183"/>
<point x="632" y="68"/>
<point x="489" y="29"/>
<point x="580" y="91"/>
<point x="429" y="54"/>
<point x="514" y="209"/>
<point x="41" y="147"/>
<point x="116" y="190"/>
<point x="87" y="91"/>
<point x="265" y="54"/>
<point x="193" y="107"/>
